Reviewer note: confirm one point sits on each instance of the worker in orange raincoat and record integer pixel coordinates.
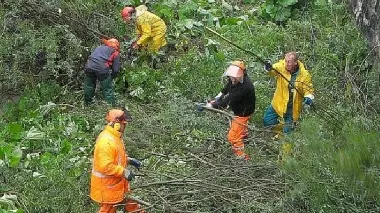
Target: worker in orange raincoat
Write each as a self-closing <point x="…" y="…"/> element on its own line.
<point x="239" y="95"/>
<point x="110" y="176"/>
<point x="150" y="28"/>
<point x="288" y="101"/>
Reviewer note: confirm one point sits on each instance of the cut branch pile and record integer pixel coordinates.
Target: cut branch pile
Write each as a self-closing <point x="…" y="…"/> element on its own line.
<point x="212" y="183"/>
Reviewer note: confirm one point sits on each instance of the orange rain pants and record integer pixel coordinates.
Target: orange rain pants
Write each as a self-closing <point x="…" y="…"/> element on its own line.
<point x="238" y="129"/>
<point x="130" y="206"/>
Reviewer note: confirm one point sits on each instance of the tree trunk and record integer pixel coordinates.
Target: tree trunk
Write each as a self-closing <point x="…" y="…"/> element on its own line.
<point x="367" y="14"/>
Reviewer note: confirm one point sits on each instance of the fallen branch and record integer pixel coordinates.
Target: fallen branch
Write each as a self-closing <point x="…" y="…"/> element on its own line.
<point x="139" y="201"/>
<point x="166" y="182"/>
<point x="203" y="161"/>
<point x="234" y="118"/>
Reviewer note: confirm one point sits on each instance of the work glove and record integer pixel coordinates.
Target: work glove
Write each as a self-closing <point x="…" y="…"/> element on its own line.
<point x="218" y="96"/>
<point x="200" y="107"/>
<point x="209" y="104"/>
<point x="134" y="162"/>
<point x="307" y="101"/>
<point x="128" y="174"/>
<point x="267" y="66"/>
<point x="281" y="120"/>
<point x="134" y="45"/>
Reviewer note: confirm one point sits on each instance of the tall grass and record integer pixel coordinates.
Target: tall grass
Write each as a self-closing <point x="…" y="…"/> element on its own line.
<point x="335" y="173"/>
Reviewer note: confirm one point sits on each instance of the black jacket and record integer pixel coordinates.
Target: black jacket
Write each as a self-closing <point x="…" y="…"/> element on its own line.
<point x="240" y="97"/>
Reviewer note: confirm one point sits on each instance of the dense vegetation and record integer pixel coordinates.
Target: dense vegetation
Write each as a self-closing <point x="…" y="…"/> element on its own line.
<point x="47" y="136"/>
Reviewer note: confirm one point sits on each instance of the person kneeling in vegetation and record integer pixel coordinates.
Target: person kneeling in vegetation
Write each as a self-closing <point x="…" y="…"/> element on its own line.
<point x="103" y="64"/>
<point x="239" y="95"/>
<point x="150" y="28"/>
<point x="110" y="176"/>
<point x="291" y="93"/>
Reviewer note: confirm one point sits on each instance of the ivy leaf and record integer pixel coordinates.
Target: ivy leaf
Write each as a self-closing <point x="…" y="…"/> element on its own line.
<point x="287" y="3"/>
<point x="188" y="10"/>
<point x="227" y="6"/>
<point x="283" y="14"/>
<point x="164" y="10"/>
<point x="189" y="23"/>
<point x="270" y="9"/>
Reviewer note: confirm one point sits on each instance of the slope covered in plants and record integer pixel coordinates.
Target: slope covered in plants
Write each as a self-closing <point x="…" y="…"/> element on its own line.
<point x="47" y="136"/>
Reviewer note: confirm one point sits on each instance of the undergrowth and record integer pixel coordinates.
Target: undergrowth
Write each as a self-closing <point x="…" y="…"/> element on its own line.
<point x="48" y="136"/>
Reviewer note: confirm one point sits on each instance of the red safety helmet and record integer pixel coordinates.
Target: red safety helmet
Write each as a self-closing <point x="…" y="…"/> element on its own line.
<point x="118" y="116"/>
<point x="126" y="13"/>
<point x="114" y="43"/>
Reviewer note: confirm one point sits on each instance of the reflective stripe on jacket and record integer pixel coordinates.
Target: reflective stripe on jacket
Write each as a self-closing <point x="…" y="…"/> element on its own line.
<point x="151" y="29"/>
<point x="108" y="184"/>
<point x="303" y="84"/>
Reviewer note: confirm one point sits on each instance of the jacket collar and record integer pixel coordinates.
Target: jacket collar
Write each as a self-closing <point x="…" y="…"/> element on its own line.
<point x="139" y="13"/>
<point x="113" y="131"/>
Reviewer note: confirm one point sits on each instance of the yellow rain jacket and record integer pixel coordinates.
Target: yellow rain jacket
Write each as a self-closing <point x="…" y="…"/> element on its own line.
<point x="108" y="184"/>
<point x="151" y="29"/>
<point x="281" y="95"/>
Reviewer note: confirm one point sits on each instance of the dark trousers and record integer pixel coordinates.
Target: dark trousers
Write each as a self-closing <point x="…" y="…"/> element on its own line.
<point x="271" y="118"/>
<point x="106" y="85"/>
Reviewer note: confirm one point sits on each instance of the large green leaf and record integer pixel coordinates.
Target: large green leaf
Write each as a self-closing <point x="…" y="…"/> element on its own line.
<point x="187" y="10"/>
<point x="5" y="151"/>
<point x="283" y="14"/>
<point x="220" y="56"/>
<point x="45" y="158"/>
<point x="164" y="11"/>
<point x="15" y="131"/>
<point x="287" y="3"/>
<point x="15" y="157"/>
<point x="65" y="147"/>
<point x="270" y="9"/>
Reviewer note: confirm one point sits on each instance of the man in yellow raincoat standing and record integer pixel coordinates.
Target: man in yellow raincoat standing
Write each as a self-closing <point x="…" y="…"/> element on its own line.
<point x="150" y="28"/>
<point x="110" y="176"/>
<point x="291" y="93"/>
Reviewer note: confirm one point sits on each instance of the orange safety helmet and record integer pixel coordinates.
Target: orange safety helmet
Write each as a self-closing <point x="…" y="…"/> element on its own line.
<point x="114" y="43"/>
<point x="118" y="116"/>
<point x="236" y="69"/>
<point x="126" y="12"/>
<point x="239" y="63"/>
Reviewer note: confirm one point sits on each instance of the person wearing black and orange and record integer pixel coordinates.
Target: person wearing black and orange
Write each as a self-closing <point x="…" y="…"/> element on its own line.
<point x="239" y="95"/>
<point x="110" y="175"/>
<point x="103" y="64"/>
